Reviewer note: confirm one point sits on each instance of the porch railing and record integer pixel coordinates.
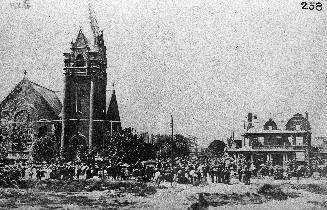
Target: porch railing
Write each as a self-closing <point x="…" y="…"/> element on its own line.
<point x="287" y="147"/>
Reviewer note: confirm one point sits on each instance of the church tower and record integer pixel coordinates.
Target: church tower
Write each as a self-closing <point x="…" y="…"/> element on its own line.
<point x="113" y="118"/>
<point x="85" y="81"/>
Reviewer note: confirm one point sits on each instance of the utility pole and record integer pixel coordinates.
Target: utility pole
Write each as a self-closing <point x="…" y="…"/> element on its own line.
<point x="172" y="140"/>
<point x="308" y="141"/>
<point x="103" y="151"/>
<point x="172" y="145"/>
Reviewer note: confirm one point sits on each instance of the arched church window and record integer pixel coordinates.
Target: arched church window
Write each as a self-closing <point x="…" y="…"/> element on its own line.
<point x="22" y="116"/>
<point x="79" y="60"/>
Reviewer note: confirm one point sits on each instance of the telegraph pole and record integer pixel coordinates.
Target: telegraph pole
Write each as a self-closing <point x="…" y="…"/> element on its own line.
<point x="172" y="145"/>
<point x="172" y="139"/>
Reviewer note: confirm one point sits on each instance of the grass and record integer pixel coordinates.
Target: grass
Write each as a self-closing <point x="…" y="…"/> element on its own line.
<point x="18" y="198"/>
<point x="54" y="194"/>
<point x="265" y="193"/>
<point x="314" y="188"/>
<point x="139" y="189"/>
<point x="15" y="197"/>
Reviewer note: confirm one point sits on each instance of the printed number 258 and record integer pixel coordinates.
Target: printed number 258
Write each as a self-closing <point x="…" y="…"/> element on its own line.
<point x="312" y="6"/>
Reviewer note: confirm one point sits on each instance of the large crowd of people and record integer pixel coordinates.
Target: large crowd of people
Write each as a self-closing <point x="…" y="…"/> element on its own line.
<point x="186" y="170"/>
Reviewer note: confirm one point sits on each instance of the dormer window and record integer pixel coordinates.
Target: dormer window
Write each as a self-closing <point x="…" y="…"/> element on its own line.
<point x="298" y="127"/>
<point x="270" y="125"/>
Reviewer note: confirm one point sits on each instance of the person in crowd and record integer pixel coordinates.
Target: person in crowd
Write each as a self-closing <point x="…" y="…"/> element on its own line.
<point x="240" y="170"/>
<point x="38" y="173"/>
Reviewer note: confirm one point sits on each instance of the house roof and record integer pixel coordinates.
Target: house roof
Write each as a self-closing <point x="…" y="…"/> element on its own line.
<point x="273" y="131"/>
<point x="258" y="128"/>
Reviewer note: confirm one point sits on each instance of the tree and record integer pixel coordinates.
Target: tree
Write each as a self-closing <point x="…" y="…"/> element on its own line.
<point x="20" y="136"/>
<point x="181" y="146"/>
<point x="126" y="147"/>
<point x="14" y="137"/>
<point x="44" y="149"/>
<point x="216" y="148"/>
<point x="3" y="141"/>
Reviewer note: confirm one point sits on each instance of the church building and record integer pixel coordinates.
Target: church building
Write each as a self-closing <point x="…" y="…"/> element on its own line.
<point x="84" y="115"/>
<point x="32" y="108"/>
<point x="82" y="118"/>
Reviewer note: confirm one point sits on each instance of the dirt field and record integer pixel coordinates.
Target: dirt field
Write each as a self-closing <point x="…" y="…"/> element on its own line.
<point x="281" y="194"/>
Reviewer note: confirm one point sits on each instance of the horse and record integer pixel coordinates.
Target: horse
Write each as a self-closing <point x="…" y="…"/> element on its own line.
<point x="167" y="176"/>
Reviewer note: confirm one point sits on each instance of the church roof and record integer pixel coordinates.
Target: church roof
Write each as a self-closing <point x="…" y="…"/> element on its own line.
<point x="90" y="37"/>
<point x="48" y="95"/>
<point x="113" y="112"/>
<point x="81" y="40"/>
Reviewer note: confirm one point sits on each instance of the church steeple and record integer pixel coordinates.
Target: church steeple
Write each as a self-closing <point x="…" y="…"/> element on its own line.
<point x="113" y="112"/>
<point x="85" y="80"/>
<point x="81" y="41"/>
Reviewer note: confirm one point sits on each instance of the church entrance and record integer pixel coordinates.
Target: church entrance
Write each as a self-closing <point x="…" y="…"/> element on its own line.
<point x="77" y="148"/>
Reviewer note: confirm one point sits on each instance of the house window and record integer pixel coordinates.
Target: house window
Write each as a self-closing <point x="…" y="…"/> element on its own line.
<point x="300" y="156"/>
<point x="299" y="141"/>
<point x="246" y="142"/>
<point x="261" y="140"/>
<point x="298" y="127"/>
<point x="270" y="127"/>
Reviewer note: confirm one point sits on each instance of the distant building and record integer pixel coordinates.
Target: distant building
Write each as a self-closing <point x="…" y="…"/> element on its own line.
<point x="146" y="137"/>
<point x="268" y="141"/>
<point x="323" y="149"/>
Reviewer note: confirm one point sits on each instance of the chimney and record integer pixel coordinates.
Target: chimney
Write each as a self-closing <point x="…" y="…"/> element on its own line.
<point x="307" y="121"/>
<point x="249" y="121"/>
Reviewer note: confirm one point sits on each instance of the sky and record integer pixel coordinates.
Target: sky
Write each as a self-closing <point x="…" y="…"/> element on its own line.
<point x="207" y="63"/>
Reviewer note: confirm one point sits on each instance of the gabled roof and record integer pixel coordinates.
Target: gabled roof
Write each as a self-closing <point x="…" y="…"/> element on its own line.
<point x="48" y="95"/>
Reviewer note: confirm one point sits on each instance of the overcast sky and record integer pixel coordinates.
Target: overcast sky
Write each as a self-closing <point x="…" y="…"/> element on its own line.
<point x="206" y="62"/>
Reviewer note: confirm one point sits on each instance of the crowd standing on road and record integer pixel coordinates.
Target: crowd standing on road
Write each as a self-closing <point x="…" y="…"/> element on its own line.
<point x="183" y="170"/>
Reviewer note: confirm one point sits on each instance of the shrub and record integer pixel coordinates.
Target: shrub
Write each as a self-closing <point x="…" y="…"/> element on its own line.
<point x="273" y="192"/>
